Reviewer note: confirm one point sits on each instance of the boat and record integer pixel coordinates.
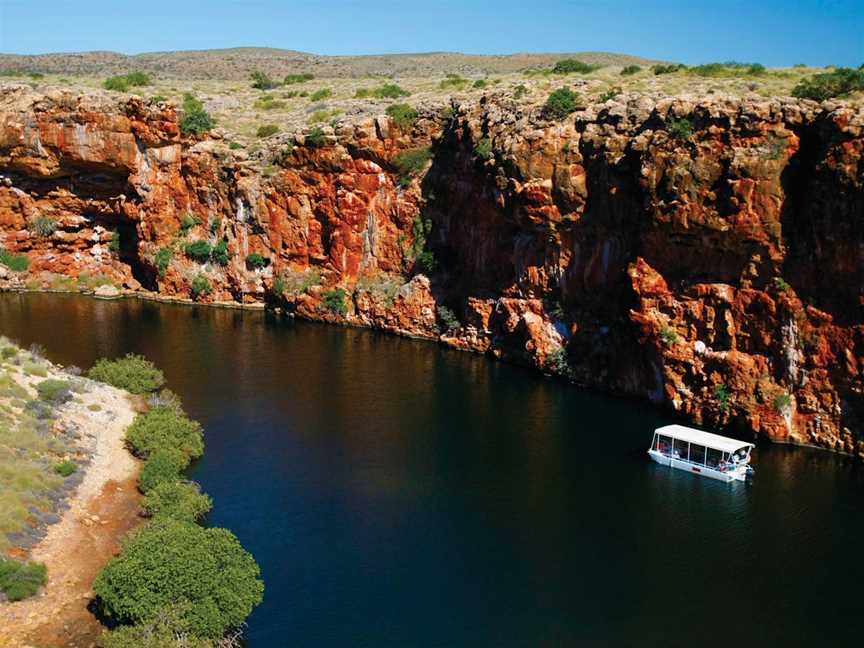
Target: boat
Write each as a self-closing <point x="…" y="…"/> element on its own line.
<point x="702" y="453"/>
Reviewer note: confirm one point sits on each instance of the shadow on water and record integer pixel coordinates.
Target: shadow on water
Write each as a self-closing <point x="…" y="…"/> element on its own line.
<point x="397" y="493"/>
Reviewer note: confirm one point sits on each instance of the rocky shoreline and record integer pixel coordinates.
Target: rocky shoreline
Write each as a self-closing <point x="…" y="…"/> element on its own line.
<point x="705" y="254"/>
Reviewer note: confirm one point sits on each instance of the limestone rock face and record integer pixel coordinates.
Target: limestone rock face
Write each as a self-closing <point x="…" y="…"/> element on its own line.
<point x="716" y="269"/>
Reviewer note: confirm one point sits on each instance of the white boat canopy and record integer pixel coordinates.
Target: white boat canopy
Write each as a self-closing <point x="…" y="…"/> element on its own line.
<point x="692" y="435"/>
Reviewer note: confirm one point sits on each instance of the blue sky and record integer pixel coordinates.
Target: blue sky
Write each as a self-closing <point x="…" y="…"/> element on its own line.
<point x="773" y="32"/>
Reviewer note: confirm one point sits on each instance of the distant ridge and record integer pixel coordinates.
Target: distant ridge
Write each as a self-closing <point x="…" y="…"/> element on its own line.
<point x="236" y="63"/>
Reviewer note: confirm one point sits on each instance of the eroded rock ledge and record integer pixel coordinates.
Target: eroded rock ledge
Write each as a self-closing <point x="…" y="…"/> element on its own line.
<point x="718" y="272"/>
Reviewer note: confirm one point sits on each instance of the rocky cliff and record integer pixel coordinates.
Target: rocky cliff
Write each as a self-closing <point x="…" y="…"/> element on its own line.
<point x="707" y="255"/>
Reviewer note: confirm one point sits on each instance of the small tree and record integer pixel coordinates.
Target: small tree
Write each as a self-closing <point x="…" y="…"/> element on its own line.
<point x="177" y="499"/>
<point x="334" y="301"/>
<point x="170" y="563"/>
<point x="263" y="82"/>
<point x="255" y="261"/>
<point x="195" y="119"/>
<point x="134" y="373"/>
<point x="561" y="103"/>
<point x="165" y="427"/>
<point x="402" y="115"/>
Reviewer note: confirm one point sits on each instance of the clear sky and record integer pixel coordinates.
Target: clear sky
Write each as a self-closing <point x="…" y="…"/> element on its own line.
<point x="773" y="32"/>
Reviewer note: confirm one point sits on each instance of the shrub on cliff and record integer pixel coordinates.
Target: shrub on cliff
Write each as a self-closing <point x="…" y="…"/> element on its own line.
<point x="134" y="373"/>
<point x="561" y="103"/>
<point x="483" y="148"/>
<point x="402" y="115"/>
<point x="195" y="119"/>
<point x="569" y="66"/>
<point x="220" y="253"/>
<point x="177" y="499"/>
<point x="315" y="138"/>
<point x="165" y="427"/>
<point x="42" y="226"/>
<point x="681" y="129"/>
<point x="411" y="162"/>
<point x="199" y="250"/>
<point x="204" y="572"/>
<point x="200" y="287"/>
<point x="255" y="261"/>
<point x="447" y="318"/>
<point x="837" y="83"/>
<point x="162" y="259"/>
<point x="15" y="262"/>
<point x="20" y="580"/>
<point x="334" y="301"/>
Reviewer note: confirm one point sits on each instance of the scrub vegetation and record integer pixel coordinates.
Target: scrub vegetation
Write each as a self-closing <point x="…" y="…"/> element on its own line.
<point x="174" y="583"/>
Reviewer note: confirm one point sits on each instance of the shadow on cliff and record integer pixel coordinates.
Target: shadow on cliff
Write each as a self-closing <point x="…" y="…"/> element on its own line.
<point x="822" y="222"/>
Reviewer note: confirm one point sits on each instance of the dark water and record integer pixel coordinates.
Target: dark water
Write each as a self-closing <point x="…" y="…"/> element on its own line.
<point x="399" y="494"/>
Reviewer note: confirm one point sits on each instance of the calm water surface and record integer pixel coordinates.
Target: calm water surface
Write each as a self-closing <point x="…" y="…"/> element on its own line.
<point x="399" y="494"/>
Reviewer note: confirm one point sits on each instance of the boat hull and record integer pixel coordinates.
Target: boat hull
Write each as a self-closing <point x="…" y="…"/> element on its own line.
<point x="739" y="474"/>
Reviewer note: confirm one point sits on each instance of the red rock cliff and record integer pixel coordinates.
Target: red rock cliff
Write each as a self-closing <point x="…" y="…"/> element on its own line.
<point x="707" y="256"/>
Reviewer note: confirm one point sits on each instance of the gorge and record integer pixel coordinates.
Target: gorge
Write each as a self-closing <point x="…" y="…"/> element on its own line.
<point x="705" y="255"/>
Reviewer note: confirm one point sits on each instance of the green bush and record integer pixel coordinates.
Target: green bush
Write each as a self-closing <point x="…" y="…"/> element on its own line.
<point x="667" y="69"/>
<point x="680" y="129"/>
<point x="454" y="82"/>
<point x="782" y="402"/>
<point x="630" y="70"/>
<point x="165" y="427"/>
<point x="43" y="226"/>
<point x="298" y="78"/>
<point x="199" y="250"/>
<point x="189" y="221"/>
<point x="122" y="83"/>
<point x="195" y="119"/>
<point x="15" y="262"/>
<point x="255" y="261"/>
<point x="334" y="301"/>
<point x="411" y="162"/>
<point x="520" y="91"/>
<point x="448" y="319"/>
<point x="425" y="262"/>
<point x="315" y="138"/>
<point x="155" y="99"/>
<point x="483" y="148"/>
<point x="134" y="373"/>
<point x="65" y="468"/>
<point x="267" y="130"/>
<point x="170" y="563"/>
<point x="721" y="393"/>
<point x="668" y="336"/>
<point x="163" y="466"/>
<point x="162" y="260"/>
<point x="54" y="391"/>
<point x="320" y="95"/>
<point x="220" y="252"/>
<point x="836" y="83"/>
<point x="390" y="91"/>
<point x="179" y="499"/>
<point x="402" y="115"/>
<point x="561" y="103"/>
<point x="114" y="245"/>
<point x="569" y="66"/>
<point x="20" y="580"/>
<point x="479" y="84"/>
<point x="6" y="353"/>
<point x="200" y="287"/>
<point x="263" y="82"/>
<point x="611" y="93"/>
<point x="116" y="83"/>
